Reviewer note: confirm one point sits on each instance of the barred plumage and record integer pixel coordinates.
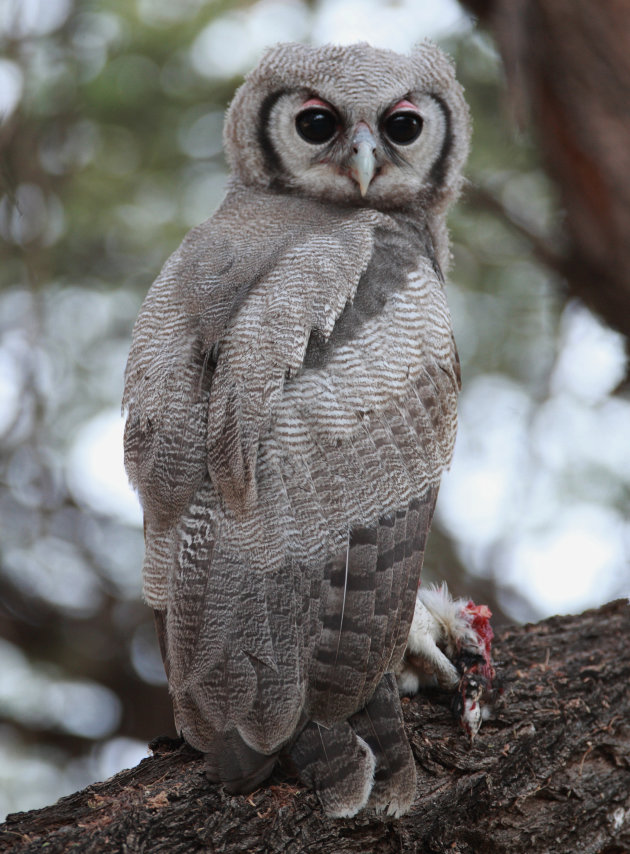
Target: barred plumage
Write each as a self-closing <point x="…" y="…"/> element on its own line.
<point x="291" y="396"/>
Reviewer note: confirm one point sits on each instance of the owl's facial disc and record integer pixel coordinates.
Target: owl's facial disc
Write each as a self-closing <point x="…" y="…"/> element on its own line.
<point x="351" y="151"/>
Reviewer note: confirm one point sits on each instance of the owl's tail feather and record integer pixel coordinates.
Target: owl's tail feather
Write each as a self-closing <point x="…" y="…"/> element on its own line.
<point x="380" y="725"/>
<point x="237" y="766"/>
<point x="338" y="764"/>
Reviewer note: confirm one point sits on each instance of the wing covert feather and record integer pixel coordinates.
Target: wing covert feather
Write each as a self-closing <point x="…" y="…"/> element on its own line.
<point x="224" y="292"/>
<point x="252" y="282"/>
<point x="304" y="294"/>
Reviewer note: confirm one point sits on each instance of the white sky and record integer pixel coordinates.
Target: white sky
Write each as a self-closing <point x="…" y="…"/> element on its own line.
<point x="233" y="43"/>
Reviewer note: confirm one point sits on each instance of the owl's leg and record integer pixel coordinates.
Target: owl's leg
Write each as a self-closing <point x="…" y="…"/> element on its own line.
<point x="380" y="725"/>
<point x="228" y="758"/>
<point x="337" y="764"/>
<point x="233" y="763"/>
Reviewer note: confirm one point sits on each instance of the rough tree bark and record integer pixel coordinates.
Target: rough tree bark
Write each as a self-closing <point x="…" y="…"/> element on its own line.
<point x="568" y="69"/>
<point x="549" y="772"/>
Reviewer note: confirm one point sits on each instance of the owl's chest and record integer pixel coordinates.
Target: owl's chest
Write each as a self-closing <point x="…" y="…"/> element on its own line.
<point x="372" y="425"/>
<point x="394" y="330"/>
<point x="400" y="285"/>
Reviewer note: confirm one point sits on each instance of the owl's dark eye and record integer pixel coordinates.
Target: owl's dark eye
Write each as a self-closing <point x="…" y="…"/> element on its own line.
<point x="316" y="125"/>
<point x="403" y="128"/>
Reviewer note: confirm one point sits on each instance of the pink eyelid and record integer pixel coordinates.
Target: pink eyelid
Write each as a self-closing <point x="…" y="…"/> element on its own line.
<point x="403" y="105"/>
<point x="316" y="102"/>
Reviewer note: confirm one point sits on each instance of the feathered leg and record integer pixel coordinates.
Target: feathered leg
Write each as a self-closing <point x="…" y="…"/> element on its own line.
<point x="228" y="759"/>
<point x="380" y="725"/>
<point x="232" y="762"/>
<point x="337" y="764"/>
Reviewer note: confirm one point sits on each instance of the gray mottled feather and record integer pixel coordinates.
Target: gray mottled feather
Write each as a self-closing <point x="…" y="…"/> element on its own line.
<point x="291" y="404"/>
<point x="338" y="764"/>
<point x="380" y="725"/>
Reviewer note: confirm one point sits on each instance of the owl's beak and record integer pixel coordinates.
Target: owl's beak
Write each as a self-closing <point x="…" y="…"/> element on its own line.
<point x="363" y="158"/>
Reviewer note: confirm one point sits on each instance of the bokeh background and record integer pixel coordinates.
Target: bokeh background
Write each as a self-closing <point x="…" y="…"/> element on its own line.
<point x="110" y="150"/>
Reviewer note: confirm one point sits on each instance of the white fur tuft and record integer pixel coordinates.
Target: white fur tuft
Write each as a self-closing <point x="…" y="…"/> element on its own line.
<point x="455" y="629"/>
<point x="441" y="626"/>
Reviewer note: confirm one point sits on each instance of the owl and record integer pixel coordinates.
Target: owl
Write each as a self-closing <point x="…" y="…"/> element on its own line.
<point x="291" y="404"/>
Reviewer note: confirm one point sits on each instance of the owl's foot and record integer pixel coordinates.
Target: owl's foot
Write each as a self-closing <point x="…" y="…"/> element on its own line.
<point x="234" y="764"/>
<point x="363" y="762"/>
<point x="338" y="764"/>
<point x="449" y="645"/>
<point x="380" y="725"/>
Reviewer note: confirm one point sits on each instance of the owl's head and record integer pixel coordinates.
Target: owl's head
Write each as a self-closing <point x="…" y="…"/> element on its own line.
<point x="351" y="125"/>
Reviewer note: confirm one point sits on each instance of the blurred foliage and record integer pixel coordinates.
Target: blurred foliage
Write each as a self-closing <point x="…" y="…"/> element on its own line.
<point x="111" y="151"/>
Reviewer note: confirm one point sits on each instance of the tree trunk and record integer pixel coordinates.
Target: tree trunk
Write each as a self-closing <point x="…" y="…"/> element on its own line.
<point x="548" y="772"/>
<point x="568" y="68"/>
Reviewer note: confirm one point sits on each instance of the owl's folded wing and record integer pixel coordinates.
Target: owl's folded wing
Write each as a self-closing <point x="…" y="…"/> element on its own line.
<point x="228" y="318"/>
<point x="166" y="387"/>
<point x="303" y="295"/>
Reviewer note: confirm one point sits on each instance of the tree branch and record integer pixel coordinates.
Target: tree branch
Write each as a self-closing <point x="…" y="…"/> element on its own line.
<point x="550" y="771"/>
<point x="567" y="64"/>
